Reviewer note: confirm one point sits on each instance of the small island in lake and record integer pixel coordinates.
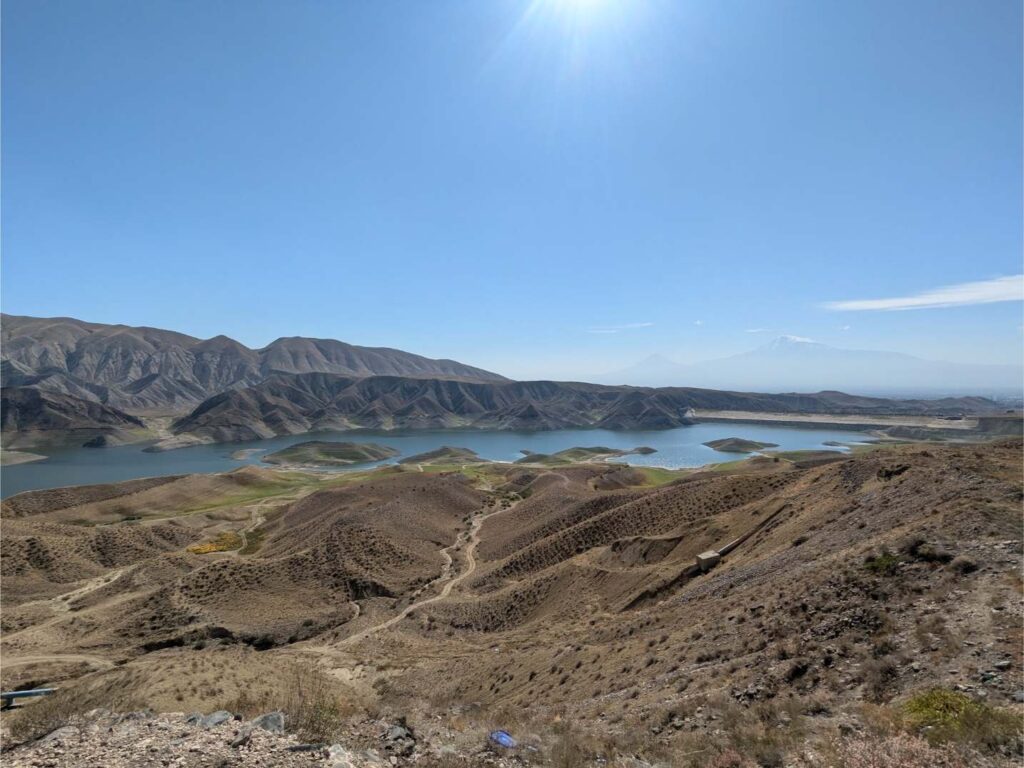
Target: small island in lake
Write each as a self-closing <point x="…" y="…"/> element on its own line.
<point x="244" y="453"/>
<point x="446" y="454"/>
<point x="319" y="453"/>
<point x="738" y="445"/>
<point x="580" y="455"/>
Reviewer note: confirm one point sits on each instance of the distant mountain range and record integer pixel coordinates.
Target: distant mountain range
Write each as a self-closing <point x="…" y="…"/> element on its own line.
<point x="791" y="363"/>
<point x="298" y="403"/>
<point x="68" y="380"/>
<point x="152" y="370"/>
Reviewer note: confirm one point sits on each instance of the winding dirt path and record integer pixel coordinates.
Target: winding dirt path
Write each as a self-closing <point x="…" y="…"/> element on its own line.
<point x="62" y="602"/>
<point x="473" y="537"/>
<point x="96" y="661"/>
<point x="257" y="517"/>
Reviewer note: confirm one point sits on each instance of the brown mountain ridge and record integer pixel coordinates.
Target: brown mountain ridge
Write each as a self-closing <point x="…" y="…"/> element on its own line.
<point x="64" y="379"/>
<point x="139" y="369"/>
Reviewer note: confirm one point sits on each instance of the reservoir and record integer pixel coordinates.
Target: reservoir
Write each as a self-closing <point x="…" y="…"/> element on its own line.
<point x="676" y="448"/>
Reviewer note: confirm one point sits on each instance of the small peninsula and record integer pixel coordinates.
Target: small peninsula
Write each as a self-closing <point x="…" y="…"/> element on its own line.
<point x="738" y="445"/>
<point x="446" y="454"/>
<point x="578" y="455"/>
<point x="319" y="453"/>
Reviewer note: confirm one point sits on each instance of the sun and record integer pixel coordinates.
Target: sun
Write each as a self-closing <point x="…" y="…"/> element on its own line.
<point x="581" y="6"/>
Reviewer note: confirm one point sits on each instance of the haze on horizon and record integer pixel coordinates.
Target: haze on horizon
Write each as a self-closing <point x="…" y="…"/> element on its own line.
<point x="543" y="188"/>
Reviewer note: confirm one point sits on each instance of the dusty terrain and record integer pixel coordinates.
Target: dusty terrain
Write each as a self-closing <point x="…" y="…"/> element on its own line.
<point x="859" y="601"/>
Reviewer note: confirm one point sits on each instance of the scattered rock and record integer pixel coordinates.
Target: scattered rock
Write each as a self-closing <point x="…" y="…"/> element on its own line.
<point x="243" y="736"/>
<point x="272" y="722"/>
<point x="60" y="735"/>
<point x="399" y="739"/>
<point x="216" y="718"/>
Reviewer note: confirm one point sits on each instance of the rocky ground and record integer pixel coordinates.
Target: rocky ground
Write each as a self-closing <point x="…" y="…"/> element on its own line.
<point x="220" y="739"/>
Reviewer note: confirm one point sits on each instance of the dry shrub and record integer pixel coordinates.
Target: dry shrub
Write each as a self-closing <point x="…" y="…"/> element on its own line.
<point x="567" y="750"/>
<point x="879" y="675"/>
<point x="250" y="703"/>
<point x="901" y="751"/>
<point x="765" y="732"/>
<point x="311" y="704"/>
<point x="38" y="718"/>
<point x="730" y="758"/>
<point x="312" y="708"/>
<point x="964" y="565"/>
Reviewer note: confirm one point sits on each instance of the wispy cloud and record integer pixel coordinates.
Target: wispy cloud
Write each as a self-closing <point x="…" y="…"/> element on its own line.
<point x="757" y="330"/>
<point x="698" y="322"/>
<point x="618" y="328"/>
<point x="983" y="292"/>
<point x="844" y="327"/>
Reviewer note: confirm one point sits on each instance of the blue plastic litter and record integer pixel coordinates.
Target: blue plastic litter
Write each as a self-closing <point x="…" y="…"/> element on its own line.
<point x="503" y="739"/>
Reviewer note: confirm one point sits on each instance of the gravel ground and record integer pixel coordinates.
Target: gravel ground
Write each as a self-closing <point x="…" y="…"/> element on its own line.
<point x="145" y="740"/>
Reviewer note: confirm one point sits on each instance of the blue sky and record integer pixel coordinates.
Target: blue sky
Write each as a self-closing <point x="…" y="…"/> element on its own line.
<point x="542" y="187"/>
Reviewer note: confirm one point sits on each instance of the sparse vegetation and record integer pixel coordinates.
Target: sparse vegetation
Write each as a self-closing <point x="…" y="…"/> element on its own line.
<point x="37" y="718"/>
<point x="882" y="564"/>
<point x="253" y="541"/>
<point x="311" y="705"/>
<point x="899" y="751"/>
<point x="582" y="629"/>
<point x="950" y="716"/>
<point x="223" y="542"/>
<point x="329" y="454"/>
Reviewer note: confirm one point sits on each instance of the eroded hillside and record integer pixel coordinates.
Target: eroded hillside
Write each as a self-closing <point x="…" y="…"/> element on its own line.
<point x="561" y="601"/>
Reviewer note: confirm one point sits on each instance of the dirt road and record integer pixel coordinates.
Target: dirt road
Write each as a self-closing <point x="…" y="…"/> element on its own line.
<point x="473" y="537"/>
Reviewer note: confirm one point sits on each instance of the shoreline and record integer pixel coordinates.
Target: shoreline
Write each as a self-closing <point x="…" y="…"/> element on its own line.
<point x="855" y="422"/>
<point x="13" y="457"/>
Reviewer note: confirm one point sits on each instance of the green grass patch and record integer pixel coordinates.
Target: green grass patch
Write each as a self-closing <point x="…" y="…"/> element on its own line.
<point x="883" y="564"/>
<point x="486" y="473"/>
<point x="253" y="541"/>
<point x="288" y="483"/>
<point x="727" y="466"/>
<point x="660" y="475"/>
<point x="949" y="716"/>
<point x="810" y="455"/>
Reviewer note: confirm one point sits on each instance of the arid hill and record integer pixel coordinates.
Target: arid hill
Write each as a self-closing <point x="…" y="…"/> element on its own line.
<point x="849" y="606"/>
<point x="29" y="416"/>
<point x="148" y="369"/>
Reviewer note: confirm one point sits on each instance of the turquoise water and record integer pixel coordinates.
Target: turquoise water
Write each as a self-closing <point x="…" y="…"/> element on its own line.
<point x="680" y="447"/>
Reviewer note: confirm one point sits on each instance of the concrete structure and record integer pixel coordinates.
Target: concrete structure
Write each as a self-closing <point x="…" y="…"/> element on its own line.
<point x="708" y="560"/>
<point x="8" y="697"/>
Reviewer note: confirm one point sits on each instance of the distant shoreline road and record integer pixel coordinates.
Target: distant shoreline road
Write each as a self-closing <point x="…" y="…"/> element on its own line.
<point x="841" y="421"/>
